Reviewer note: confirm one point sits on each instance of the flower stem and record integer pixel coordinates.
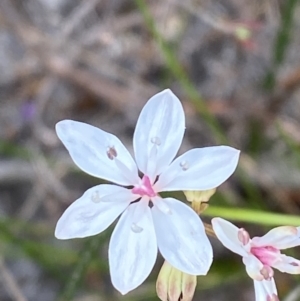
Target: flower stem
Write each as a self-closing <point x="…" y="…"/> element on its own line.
<point x="253" y="216"/>
<point x="209" y="230"/>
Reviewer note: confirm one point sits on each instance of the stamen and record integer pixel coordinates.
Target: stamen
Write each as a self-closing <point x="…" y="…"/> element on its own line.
<point x="243" y="236"/>
<point x="111" y="152"/>
<point x="267" y="272"/>
<point x="184" y="165"/>
<point x="156" y="140"/>
<point x="272" y="297"/>
<point x="267" y="255"/>
<point x="95" y="197"/>
<point x="135" y="228"/>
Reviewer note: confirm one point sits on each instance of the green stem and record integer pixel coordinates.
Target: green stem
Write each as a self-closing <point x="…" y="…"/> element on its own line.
<point x="282" y="42"/>
<point x="252" y="216"/>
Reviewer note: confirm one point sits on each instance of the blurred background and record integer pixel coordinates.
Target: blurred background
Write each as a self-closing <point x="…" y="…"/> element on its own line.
<point x="235" y="65"/>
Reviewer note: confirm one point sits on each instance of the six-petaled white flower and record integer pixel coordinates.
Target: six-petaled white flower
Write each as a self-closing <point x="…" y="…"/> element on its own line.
<point x="148" y="222"/>
<point x="261" y="254"/>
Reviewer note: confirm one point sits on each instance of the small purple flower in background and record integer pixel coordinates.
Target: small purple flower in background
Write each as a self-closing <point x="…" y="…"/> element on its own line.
<point x="28" y="110"/>
<point x="261" y="254"/>
<point x="148" y="222"/>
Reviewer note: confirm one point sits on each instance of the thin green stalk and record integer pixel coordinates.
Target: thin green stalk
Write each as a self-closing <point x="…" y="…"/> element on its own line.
<point x="253" y="216"/>
<point x="282" y="41"/>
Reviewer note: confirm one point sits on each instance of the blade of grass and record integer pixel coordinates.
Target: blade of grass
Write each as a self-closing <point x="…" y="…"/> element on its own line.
<point x="293" y="145"/>
<point x="282" y="42"/>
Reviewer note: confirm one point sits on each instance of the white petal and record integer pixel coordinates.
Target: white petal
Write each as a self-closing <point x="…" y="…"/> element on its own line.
<point x="181" y="237"/>
<point x="158" y="133"/>
<point x="265" y="290"/>
<point x="281" y="238"/>
<point x="161" y="205"/>
<point x="227" y="233"/>
<point x="93" y="212"/>
<point x="94" y="150"/>
<point x="287" y="264"/>
<point x="253" y="267"/>
<point x="199" y="169"/>
<point x="132" y="248"/>
<point x="260" y="292"/>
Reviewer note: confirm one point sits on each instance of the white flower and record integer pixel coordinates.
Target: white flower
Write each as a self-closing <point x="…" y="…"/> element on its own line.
<point x="148" y="222"/>
<point x="261" y="254"/>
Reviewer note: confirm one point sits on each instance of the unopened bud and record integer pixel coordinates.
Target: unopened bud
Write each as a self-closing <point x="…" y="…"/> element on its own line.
<point x="174" y="285"/>
<point x="201" y="196"/>
<point x="162" y="283"/>
<point x="199" y="199"/>
<point x="189" y="283"/>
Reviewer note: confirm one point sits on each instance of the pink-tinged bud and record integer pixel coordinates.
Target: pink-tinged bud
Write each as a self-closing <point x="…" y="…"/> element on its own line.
<point x="243" y="236"/>
<point x="174" y="289"/>
<point x="174" y="285"/>
<point x="162" y="283"/>
<point x="189" y="283"/>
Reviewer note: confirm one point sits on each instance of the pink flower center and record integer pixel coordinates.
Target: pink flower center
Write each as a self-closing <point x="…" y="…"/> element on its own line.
<point x="144" y="188"/>
<point x="267" y="255"/>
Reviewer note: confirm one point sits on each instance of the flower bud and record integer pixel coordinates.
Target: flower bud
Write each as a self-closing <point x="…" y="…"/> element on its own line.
<point x="174" y="285"/>
<point x="162" y="282"/>
<point x="199" y="199"/>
